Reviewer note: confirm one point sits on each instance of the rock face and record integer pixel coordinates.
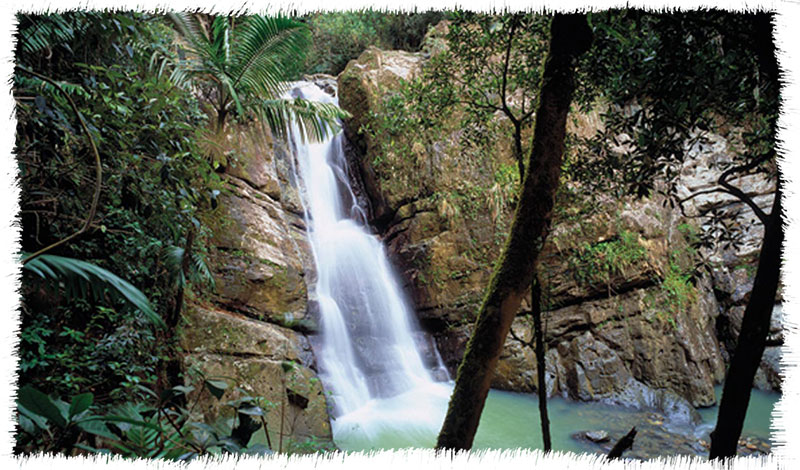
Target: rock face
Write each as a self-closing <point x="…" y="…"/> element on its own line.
<point x="734" y="263"/>
<point x="416" y="185"/>
<point x="251" y="355"/>
<point x="251" y="331"/>
<point x="627" y="321"/>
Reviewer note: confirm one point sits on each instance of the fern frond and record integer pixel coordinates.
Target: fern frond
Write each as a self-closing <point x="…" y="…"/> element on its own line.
<point x="266" y="48"/>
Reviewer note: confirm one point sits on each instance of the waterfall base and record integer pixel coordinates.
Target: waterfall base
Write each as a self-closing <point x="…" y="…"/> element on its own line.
<point x="511" y="420"/>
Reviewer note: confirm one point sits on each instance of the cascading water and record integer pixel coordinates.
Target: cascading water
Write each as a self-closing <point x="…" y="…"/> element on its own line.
<point x="383" y="393"/>
<point x="367" y="353"/>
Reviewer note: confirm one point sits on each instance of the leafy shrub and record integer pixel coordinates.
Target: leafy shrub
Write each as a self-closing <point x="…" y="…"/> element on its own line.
<point x="342" y="36"/>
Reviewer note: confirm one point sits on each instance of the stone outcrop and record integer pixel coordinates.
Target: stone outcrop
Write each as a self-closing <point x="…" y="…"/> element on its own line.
<point x="252" y="357"/>
<point x="627" y="321"/>
<point x="416" y="189"/>
<point x="735" y="262"/>
<point x="250" y="331"/>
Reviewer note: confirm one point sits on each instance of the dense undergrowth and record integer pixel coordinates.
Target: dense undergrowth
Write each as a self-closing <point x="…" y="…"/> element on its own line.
<point x="116" y="142"/>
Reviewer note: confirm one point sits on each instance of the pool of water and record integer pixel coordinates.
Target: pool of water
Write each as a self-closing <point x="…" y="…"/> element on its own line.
<point x="511" y="420"/>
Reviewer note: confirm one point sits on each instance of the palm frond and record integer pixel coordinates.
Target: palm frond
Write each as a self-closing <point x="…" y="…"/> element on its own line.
<point x="266" y="50"/>
<point x="188" y="26"/>
<point x="39" y="33"/>
<point x="35" y="83"/>
<point x="198" y="271"/>
<point x="315" y="120"/>
<point x="81" y="279"/>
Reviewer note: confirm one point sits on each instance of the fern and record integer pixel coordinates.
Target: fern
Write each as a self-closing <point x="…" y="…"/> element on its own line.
<point x="81" y="279"/>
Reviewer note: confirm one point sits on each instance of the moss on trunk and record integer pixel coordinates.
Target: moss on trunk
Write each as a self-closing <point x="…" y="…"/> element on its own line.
<point x="569" y="37"/>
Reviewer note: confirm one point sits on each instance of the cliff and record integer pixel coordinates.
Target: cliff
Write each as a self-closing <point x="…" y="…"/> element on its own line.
<point x="627" y="319"/>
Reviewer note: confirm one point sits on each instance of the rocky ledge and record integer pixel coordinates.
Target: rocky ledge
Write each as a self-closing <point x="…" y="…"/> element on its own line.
<point x="627" y="321"/>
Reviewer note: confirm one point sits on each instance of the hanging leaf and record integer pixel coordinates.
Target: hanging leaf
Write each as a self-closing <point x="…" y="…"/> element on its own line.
<point x="81" y="279"/>
<point x="216" y="387"/>
<point x="38" y="403"/>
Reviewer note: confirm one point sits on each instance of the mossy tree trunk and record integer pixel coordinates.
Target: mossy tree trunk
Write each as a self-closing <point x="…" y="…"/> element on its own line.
<point x="570" y="36"/>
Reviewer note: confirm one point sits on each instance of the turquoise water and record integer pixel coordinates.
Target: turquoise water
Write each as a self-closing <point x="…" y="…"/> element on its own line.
<point x="511" y="420"/>
<point x="758" y="420"/>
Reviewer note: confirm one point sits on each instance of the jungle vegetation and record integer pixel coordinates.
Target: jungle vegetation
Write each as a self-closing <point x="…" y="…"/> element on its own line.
<point x="117" y="117"/>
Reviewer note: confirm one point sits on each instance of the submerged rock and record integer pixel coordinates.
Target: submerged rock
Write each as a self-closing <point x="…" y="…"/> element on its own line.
<point x="596" y="436"/>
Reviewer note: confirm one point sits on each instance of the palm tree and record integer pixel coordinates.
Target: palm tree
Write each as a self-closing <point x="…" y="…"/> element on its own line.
<point x="248" y="61"/>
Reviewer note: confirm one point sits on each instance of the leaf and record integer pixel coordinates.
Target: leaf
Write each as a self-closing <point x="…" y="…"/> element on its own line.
<point x="37" y="402"/>
<point x="184" y="389"/>
<point x="37" y="419"/>
<point x="123" y="419"/>
<point x="26" y="424"/>
<point x="80" y="403"/>
<point x="83" y="279"/>
<point x="98" y="428"/>
<point x="252" y="411"/>
<point x="216" y="387"/>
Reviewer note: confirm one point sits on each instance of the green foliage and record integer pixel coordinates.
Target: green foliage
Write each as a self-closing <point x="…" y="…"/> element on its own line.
<point x="339" y="37"/>
<point x="594" y="263"/>
<point x="90" y="282"/>
<point x="668" y="78"/>
<point x="154" y="183"/>
<point x="244" y="64"/>
<point x="493" y="64"/>
<point x="158" y="428"/>
<point x="678" y="289"/>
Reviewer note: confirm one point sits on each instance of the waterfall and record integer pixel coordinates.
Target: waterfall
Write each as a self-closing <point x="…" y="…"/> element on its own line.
<point x="367" y="354"/>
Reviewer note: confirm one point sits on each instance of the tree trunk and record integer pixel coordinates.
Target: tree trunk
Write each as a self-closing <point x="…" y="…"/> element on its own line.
<point x="541" y="389"/>
<point x="569" y="37"/>
<point x="752" y="339"/>
<point x="518" y="149"/>
<point x="756" y="319"/>
<point x="172" y="368"/>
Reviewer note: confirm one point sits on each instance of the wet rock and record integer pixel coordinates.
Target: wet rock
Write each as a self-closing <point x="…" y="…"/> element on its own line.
<point x="257" y="254"/>
<point x="610" y="335"/>
<point x="597" y="436"/>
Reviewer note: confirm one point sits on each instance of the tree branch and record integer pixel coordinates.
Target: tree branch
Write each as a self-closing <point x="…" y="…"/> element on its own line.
<point x="506" y="109"/>
<point x="625" y="443"/>
<point x="733" y="190"/>
<point x="98" y="168"/>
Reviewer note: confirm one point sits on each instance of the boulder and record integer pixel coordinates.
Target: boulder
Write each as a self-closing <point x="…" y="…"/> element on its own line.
<point x="251" y="356"/>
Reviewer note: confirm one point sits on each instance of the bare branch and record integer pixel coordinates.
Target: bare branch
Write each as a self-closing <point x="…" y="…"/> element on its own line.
<point x="733" y="190"/>
<point x="506" y="109"/>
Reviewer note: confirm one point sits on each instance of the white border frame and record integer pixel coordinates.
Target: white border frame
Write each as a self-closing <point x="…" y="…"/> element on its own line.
<point x="786" y="425"/>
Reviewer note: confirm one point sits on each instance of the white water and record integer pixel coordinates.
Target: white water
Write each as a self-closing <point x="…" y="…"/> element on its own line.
<point x="368" y="357"/>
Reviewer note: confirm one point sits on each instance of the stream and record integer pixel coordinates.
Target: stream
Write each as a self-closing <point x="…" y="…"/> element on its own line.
<point x="511" y="420"/>
<point x="385" y="394"/>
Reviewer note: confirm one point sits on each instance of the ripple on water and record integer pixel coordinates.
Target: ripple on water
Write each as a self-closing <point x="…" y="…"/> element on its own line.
<point x="511" y="420"/>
